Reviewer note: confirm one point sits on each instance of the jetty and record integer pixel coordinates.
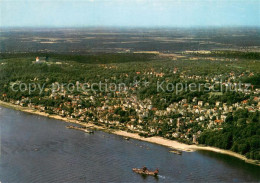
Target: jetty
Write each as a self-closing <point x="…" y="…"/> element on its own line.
<point x="80" y="128"/>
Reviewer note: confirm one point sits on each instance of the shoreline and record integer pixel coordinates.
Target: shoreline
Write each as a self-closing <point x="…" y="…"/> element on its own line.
<point x="156" y="140"/>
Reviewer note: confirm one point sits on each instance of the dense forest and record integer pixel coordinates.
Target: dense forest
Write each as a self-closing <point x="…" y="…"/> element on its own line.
<point x="240" y="134"/>
<point x="231" y="54"/>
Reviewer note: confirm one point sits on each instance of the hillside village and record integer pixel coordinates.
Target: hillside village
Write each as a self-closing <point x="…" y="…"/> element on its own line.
<point x="183" y="120"/>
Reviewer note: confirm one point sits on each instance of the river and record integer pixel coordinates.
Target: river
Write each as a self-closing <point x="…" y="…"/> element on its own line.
<point x="40" y="149"/>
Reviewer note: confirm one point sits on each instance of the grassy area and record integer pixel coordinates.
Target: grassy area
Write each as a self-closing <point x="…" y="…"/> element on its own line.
<point x="215" y="94"/>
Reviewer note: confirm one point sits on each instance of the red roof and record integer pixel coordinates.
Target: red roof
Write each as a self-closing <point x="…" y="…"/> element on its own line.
<point x="218" y="121"/>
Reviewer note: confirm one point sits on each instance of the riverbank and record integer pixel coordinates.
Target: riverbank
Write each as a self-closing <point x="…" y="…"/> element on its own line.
<point x="156" y="140"/>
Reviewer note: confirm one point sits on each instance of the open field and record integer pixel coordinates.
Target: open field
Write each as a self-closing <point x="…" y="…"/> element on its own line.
<point x="111" y="40"/>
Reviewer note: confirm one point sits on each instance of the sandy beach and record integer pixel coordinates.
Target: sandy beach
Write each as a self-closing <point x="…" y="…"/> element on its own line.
<point x="156" y="140"/>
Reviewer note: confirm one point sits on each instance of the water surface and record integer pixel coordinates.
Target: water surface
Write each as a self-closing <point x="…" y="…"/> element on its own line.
<point x="39" y="149"/>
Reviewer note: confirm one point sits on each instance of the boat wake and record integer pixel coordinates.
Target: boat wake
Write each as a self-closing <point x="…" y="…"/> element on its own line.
<point x="161" y="177"/>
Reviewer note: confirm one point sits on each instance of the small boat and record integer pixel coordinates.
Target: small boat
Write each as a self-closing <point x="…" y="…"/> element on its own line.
<point x="88" y="131"/>
<point x="126" y="138"/>
<point x="176" y="152"/>
<point x="145" y="171"/>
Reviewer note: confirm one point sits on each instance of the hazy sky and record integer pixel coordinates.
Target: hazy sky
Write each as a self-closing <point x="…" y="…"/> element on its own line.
<point x="136" y="13"/>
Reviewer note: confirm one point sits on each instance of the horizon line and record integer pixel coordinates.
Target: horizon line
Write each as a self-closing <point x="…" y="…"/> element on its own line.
<point x="130" y="27"/>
